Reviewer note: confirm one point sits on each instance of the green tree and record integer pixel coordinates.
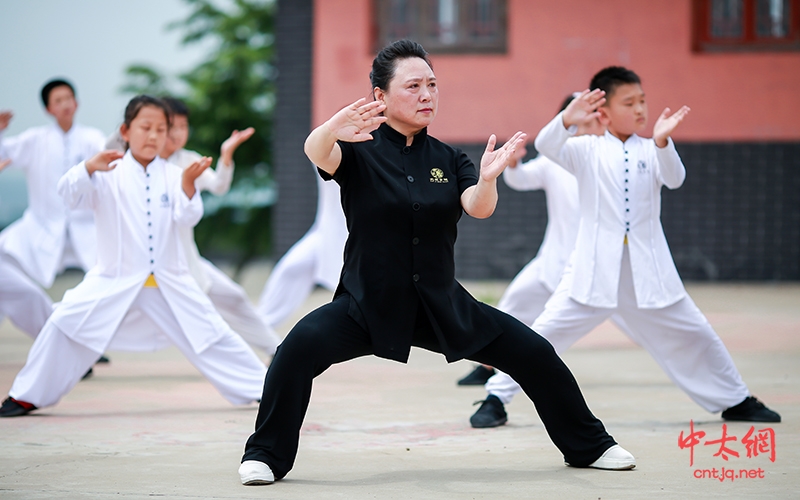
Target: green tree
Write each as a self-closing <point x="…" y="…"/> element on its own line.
<point x="233" y="89"/>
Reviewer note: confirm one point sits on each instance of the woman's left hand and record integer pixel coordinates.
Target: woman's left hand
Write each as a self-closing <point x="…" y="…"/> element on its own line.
<point x="493" y="162"/>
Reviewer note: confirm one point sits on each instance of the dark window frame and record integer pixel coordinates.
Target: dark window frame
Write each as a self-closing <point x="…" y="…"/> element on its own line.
<point x="423" y="27"/>
<point x="749" y="41"/>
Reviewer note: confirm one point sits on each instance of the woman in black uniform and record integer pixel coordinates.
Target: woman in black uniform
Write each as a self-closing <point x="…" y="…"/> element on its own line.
<point x="403" y="193"/>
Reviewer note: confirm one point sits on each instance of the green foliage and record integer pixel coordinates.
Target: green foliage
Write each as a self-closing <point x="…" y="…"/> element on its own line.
<point x="233" y="89"/>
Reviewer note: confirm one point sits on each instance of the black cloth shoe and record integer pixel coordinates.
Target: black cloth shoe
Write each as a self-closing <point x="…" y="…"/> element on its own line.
<point x="103" y="360"/>
<point x="88" y="374"/>
<point x="751" y="410"/>
<point x="478" y="376"/>
<point x="13" y="408"/>
<point x="490" y="414"/>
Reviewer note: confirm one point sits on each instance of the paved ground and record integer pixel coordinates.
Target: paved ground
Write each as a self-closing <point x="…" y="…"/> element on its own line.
<point x="148" y="425"/>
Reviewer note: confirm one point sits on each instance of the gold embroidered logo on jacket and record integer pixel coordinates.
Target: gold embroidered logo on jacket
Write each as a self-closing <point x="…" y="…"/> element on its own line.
<point x="437" y="176"/>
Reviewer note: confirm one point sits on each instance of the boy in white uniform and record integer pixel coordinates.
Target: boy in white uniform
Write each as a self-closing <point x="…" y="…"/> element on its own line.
<point x="139" y="204"/>
<point x="528" y="292"/>
<point x="621" y="263"/>
<point x="316" y="259"/>
<point x="49" y="237"/>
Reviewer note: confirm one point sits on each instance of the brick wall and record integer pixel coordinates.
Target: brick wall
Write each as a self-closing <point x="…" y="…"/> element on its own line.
<point x="736" y="217"/>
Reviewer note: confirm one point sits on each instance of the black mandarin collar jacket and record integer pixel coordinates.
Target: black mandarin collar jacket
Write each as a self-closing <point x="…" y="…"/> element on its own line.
<point x="402" y="204"/>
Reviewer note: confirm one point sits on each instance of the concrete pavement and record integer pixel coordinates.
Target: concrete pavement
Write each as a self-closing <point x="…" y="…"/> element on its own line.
<point x="149" y="425"/>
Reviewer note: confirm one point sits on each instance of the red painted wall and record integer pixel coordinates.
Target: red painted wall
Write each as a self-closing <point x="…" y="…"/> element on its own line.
<point x="555" y="46"/>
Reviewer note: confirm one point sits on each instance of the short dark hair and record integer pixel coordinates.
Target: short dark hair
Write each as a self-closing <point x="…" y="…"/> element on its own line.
<point x="608" y="79"/>
<point x="49" y="86"/>
<point x="385" y="63"/>
<point x="137" y="103"/>
<point x="176" y="106"/>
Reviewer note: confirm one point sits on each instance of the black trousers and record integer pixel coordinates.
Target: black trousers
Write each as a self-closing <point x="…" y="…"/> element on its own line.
<point x="328" y="335"/>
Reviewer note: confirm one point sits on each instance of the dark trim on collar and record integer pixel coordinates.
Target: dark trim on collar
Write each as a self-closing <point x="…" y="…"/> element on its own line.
<point x="398" y="138"/>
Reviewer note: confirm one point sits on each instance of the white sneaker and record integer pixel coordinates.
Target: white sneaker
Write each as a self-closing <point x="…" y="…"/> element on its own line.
<point x="615" y="458"/>
<point x="254" y="473"/>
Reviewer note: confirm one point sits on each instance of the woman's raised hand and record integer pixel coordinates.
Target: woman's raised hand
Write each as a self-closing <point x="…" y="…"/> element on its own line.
<point x="355" y="122"/>
<point x="494" y="161"/>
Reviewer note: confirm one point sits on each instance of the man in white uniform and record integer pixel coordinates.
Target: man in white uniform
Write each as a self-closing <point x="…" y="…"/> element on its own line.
<point x="622" y="263"/>
<point x="316" y="259"/>
<point x="49" y="237"/>
<point x="141" y="267"/>
<point x="528" y="292"/>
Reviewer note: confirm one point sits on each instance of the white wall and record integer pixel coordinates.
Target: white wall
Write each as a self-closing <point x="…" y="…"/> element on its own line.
<point x="90" y="42"/>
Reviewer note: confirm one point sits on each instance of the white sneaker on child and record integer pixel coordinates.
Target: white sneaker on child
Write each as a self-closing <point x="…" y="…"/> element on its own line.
<point x="253" y="472"/>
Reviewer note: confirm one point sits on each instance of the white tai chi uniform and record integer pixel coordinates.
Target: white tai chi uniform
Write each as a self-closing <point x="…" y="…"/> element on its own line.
<point x="228" y="297"/>
<point x="316" y="259"/>
<point x="528" y="292"/>
<point x="138" y="213"/>
<point x="622" y="263"/>
<point x="24" y="302"/>
<point x="49" y="236"/>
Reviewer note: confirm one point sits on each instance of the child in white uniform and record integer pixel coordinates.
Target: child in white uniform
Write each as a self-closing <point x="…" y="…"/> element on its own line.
<point x="139" y="204"/>
<point x="50" y="236"/>
<point x="28" y="307"/>
<point x="621" y="263"/>
<point x="228" y="297"/>
<point x="528" y="292"/>
<point x="316" y="259"/>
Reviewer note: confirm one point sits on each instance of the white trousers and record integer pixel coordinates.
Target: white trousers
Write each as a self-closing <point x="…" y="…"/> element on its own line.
<point x="233" y="304"/>
<point x="56" y="363"/>
<point x="525" y="299"/>
<point x="292" y="280"/>
<point x="22" y="299"/>
<point x="678" y="337"/>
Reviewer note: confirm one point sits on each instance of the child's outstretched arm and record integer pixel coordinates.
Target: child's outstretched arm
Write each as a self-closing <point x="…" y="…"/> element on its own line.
<point x="671" y="171"/>
<point x="232" y="143"/>
<point x="552" y="139"/>
<point x="187" y="203"/>
<point x="20" y="149"/>
<point x="5" y="119"/>
<point x="78" y="185"/>
<point x="666" y="124"/>
<point x="191" y="173"/>
<point x="218" y="181"/>
<point x="4" y="164"/>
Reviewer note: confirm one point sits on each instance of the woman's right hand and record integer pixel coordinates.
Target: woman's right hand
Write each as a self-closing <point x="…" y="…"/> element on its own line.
<point x="102" y="161"/>
<point x="355" y="122"/>
<point x="351" y="124"/>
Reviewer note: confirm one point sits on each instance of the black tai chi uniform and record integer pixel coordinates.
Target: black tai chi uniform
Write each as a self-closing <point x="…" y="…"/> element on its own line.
<point x="398" y="289"/>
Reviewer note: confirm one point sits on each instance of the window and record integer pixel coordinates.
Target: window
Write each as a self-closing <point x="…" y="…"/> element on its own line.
<point x="746" y="25"/>
<point x="443" y="26"/>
